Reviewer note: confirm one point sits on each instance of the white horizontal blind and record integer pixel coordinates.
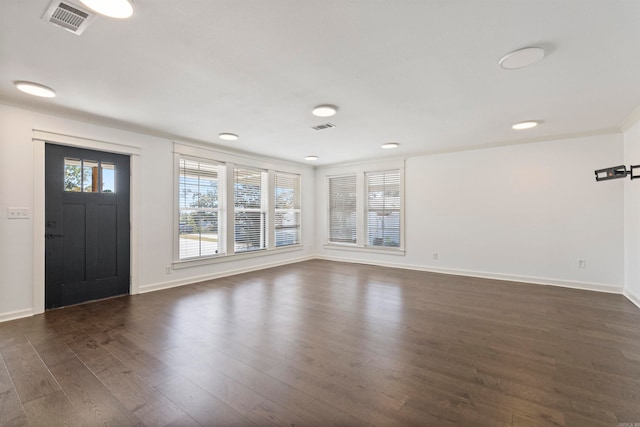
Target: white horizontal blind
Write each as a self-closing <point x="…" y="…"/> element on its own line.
<point x="199" y="203"/>
<point x="287" y="209"/>
<point x="342" y="209"/>
<point x="250" y="216"/>
<point x="383" y="208"/>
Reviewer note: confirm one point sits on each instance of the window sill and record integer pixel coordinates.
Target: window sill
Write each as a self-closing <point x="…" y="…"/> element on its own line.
<point x="368" y="249"/>
<point x="216" y="259"/>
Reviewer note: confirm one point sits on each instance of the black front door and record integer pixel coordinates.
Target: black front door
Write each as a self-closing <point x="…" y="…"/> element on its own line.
<point x="87" y="225"/>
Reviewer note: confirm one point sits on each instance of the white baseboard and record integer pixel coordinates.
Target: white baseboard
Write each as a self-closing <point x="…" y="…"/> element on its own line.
<point x="18" y="314"/>
<point x="202" y="278"/>
<point x="600" y="287"/>
<point x="632" y="297"/>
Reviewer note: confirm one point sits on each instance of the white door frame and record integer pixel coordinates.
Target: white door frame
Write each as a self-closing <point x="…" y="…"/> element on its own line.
<point x="39" y="140"/>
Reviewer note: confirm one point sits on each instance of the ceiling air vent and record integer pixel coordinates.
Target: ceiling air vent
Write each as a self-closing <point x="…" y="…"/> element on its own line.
<point x="68" y="16"/>
<point x="323" y="126"/>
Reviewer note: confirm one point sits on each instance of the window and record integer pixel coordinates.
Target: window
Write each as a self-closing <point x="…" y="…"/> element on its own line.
<point x="365" y="210"/>
<point x="342" y="209"/>
<point x="287" y="209"/>
<point x="383" y="208"/>
<point x="86" y="176"/>
<point x="226" y="210"/>
<point x="199" y="209"/>
<point x="250" y="213"/>
<point x="73" y="175"/>
<point x="108" y="177"/>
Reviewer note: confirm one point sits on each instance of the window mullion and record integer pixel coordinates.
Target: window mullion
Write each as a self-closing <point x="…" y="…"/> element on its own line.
<point x="229" y="209"/>
<point x="269" y="194"/>
<point x="361" y="217"/>
<point x="286" y="212"/>
<point x="176" y="204"/>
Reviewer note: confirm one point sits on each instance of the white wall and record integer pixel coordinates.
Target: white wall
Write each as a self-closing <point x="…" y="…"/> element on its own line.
<point x="155" y="208"/>
<point x="632" y="217"/>
<point x="524" y="212"/>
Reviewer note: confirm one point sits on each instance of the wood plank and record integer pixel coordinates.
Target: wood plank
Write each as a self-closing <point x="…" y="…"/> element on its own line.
<point x="11" y="410"/>
<point x="368" y="407"/>
<point x="201" y="405"/>
<point x="226" y="389"/>
<point x="184" y="421"/>
<point x="148" y="367"/>
<point x="54" y="410"/>
<point x="146" y="403"/>
<point x="270" y="413"/>
<point x="89" y="397"/>
<point x="29" y="374"/>
<point x="254" y="379"/>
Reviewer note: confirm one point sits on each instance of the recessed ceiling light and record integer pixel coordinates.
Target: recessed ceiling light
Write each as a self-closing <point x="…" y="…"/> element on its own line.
<point x="111" y="8"/>
<point x="390" y="145"/>
<point x="522" y="58"/>
<point x="228" y="136"/>
<point x="525" y="125"/>
<point x="311" y="158"/>
<point x="35" y="89"/>
<point x="325" y="110"/>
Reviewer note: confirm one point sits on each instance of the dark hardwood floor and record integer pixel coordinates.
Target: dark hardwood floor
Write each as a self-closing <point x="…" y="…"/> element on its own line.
<point x="324" y="343"/>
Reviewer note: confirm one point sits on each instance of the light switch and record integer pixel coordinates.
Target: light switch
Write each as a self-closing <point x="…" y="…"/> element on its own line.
<point x="18" y="213"/>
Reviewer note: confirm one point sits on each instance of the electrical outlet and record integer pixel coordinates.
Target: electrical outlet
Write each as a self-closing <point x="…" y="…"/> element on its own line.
<point x="168" y="269"/>
<point x="435" y="255"/>
<point x="582" y="263"/>
<point x="18" y="213"/>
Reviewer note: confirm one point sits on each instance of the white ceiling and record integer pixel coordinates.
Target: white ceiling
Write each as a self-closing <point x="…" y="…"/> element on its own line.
<point x="420" y="72"/>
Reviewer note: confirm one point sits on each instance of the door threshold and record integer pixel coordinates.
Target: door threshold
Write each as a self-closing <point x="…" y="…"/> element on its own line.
<point x="86" y="302"/>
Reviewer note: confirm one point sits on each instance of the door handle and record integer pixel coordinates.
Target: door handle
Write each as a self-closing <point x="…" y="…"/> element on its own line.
<point x="52" y="236"/>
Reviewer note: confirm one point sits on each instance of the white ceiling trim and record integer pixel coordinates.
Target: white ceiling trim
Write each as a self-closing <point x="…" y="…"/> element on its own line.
<point x="76" y="141"/>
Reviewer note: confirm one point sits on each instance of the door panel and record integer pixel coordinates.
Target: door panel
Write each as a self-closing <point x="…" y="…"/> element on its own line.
<point x="87" y="225"/>
<point x="73" y="242"/>
<point x="107" y="250"/>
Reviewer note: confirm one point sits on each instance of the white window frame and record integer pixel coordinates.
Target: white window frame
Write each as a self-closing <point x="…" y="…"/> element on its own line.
<point x="368" y="209"/>
<point x="226" y="204"/>
<point x="264" y="208"/>
<point x="361" y="171"/>
<point x="220" y="210"/>
<point x="295" y="210"/>
<point x="356" y="211"/>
